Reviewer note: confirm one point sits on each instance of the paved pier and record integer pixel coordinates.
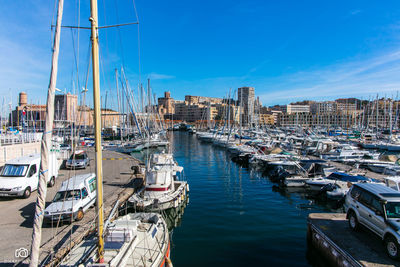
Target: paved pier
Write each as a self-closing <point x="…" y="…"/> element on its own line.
<point x="332" y="237"/>
<point x="17" y="214"/>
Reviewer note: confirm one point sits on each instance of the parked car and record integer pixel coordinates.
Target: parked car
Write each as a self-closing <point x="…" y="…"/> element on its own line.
<point x="377" y="207"/>
<point x="79" y="159"/>
<point x="20" y="177"/>
<point x="74" y="197"/>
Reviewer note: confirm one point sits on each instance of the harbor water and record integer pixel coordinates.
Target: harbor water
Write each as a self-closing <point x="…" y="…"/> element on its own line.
<point x="236" y="217"/>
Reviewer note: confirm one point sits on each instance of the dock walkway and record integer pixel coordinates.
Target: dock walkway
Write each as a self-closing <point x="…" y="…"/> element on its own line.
<point x="330" y="234"/>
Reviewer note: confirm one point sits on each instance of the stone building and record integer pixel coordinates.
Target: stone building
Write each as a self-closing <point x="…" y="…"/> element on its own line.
<point x="194" y="100"/>
<point x="166" y="105"/>
<point x="109" y="117"/>
<point x="27" y="115"/>
<point x="65" y="109"/>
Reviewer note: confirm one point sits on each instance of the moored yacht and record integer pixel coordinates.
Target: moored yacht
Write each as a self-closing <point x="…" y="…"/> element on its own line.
<point x="162" y="189"/>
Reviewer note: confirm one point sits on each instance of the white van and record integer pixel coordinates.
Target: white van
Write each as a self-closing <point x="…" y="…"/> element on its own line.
<point x="20" y="176"/>
<point x="75" y="196"/>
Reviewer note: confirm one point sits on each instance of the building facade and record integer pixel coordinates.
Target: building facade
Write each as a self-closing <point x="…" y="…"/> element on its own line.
<point x="290" y="109"/>
<point x="166" y="105"/>
<point x="246" y="98"/>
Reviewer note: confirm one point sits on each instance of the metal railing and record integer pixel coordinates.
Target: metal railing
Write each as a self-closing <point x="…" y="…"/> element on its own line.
<point x="20" y="138"/>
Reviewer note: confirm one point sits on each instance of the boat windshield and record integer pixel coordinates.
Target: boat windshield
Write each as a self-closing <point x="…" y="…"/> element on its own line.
<point x="11" y="170"/>
<point x="67" y="195"/>
<point x="393" y="210"/>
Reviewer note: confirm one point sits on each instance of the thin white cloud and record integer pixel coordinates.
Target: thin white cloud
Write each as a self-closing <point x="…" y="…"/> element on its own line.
<point x="22" y="69"/>
<point x="158" y="76"/>
<point x="355" y="12"/>
<point x="357" y="78"/>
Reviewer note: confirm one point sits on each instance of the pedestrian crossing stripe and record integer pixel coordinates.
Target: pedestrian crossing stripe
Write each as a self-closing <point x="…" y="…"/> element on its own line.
<point x="115" y="158"/>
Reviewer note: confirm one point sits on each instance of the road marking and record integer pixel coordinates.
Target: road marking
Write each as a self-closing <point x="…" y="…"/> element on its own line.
<point x="115" y="158"/>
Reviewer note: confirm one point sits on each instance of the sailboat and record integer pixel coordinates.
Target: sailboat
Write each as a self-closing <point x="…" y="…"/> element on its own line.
<point x="140" y="239"/>
<point x="136" y="239"/>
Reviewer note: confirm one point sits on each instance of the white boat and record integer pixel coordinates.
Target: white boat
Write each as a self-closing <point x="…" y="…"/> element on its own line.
<point x="162" y="190"/>
<point x="393" y="182"/>
<point x="315" y="184"/>
<point x="336" y="185"/>
<point x="336" y="191"/>
<point x="347" y="152"/>
<point x="385" y="168"/>
<point x="136" y="239"/>
<point x="294" y="181"/>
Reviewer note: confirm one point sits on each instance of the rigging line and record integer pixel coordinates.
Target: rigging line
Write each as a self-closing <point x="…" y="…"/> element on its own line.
<point x="75" y="58"/>
<point x="105" y="78"/>
<point x="83" y="100"/>
<point x="119" y="35"/>
<point x="99" y="28"/>
<point x="107" y="51"/>
<point x="79" y="24"/>
<point x="139" y="67"/>
<point x="134" y="7"/>
<point x="138" y="38"/>
<point x="52" y="19"/>
<point x="105" y="21"/>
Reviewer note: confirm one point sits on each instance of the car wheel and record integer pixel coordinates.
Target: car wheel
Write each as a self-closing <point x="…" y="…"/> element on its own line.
<point x="27" y="192"/>
<point x="392" y="247"/>
<point x="353" y="222"/>
<point x="79" y="215"/>
<point x="52" y="182"/>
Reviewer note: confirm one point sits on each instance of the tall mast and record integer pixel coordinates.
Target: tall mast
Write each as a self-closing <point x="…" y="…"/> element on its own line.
<point x="97" y="127"/>
<point x="377" y="114"/>
<point x="46" y="144"/>
<point x="119" y="103"/>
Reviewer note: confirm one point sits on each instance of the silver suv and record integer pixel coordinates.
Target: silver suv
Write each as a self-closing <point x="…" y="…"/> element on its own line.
<point x="376" y="207"/>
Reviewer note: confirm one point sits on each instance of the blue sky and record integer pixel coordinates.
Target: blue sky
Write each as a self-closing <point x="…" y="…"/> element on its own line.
<point x="287" y="50"/>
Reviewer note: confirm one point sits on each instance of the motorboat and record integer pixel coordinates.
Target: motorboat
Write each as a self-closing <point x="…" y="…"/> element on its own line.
<point x="341" y="178"/>
<point x="163" y="189"/>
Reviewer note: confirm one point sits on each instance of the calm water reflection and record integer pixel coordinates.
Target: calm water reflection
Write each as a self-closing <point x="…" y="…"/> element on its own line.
<point x="236" y="217"/>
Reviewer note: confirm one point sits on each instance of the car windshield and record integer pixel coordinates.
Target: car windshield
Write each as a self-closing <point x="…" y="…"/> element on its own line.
<point x="393" y="210"/>
<point x="14" y="170"/>
<point x="67" y="195"/>
<point x="78" y="156"/>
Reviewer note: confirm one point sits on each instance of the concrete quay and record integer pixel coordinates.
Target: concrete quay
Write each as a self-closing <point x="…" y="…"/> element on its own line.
<point x="331" y="236"/>
<point x="17" y="214"/>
